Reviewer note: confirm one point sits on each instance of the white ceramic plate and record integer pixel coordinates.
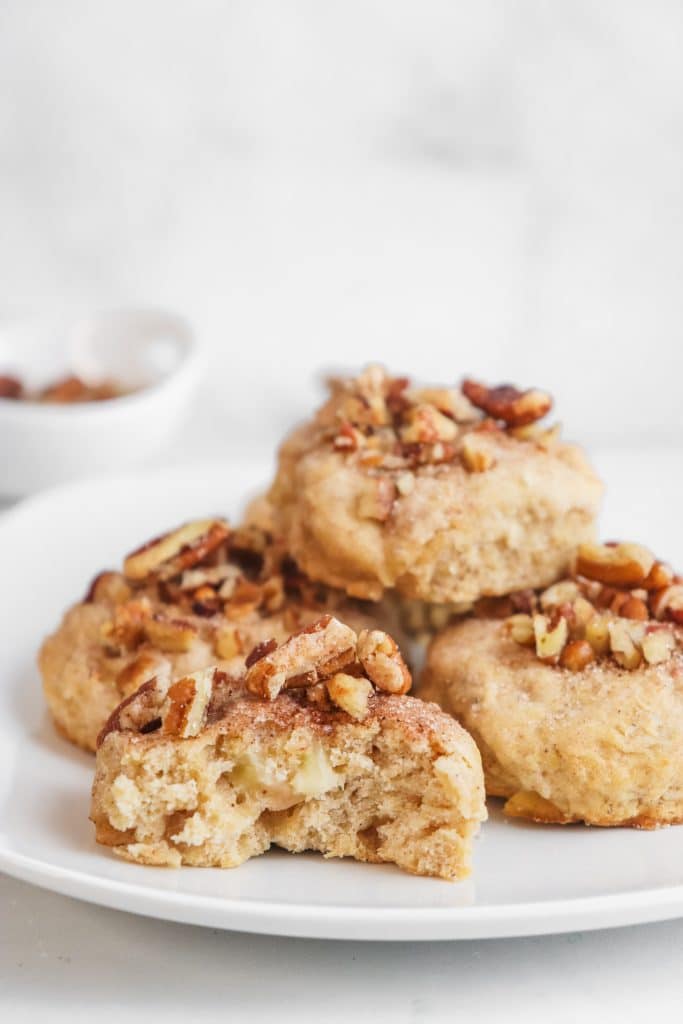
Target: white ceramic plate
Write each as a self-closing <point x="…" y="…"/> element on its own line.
<point x="527" y="879"/>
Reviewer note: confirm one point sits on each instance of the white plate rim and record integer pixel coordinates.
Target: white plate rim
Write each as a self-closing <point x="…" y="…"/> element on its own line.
<point x="329" y="921"/>
<point x="371" y="924"/>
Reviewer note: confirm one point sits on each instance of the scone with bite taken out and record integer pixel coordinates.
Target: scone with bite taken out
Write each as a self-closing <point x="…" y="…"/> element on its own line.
<point x="315" y="747"/>
<point x="445" y="494"/>
<point x="574" y="695"/>
<point x="203" y="594"/>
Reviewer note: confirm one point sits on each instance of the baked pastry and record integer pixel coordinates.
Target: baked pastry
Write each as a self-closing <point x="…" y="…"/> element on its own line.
<point x="202" y="594"/>
<point x="444" y="494"/>
<point x="314" y="748"/>
<point x="575" y="696"/>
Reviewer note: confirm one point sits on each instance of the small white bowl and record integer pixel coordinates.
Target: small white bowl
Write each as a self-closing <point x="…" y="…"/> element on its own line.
<point x="152" y="352"/>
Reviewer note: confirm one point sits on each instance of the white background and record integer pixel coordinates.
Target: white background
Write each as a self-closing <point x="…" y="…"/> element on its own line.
<point x="492" y="186"/>
<point x="486" y="186"/>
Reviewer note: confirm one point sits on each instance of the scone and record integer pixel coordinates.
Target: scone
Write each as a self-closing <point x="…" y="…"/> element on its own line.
<point x="444" y="494"/>
<point x="314" y="748"/>
<point x="202" y="594"/>
<point x="575" y="698"/>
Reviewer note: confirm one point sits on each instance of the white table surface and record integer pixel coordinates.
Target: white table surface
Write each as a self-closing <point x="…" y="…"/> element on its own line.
<point x="61" y="959"/>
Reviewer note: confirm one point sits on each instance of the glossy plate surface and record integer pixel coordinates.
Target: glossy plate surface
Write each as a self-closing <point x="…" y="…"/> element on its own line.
<point x="527" y="879"/>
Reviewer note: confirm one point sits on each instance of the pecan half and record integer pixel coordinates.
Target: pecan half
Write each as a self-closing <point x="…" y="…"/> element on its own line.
<point x="515" y="408"/>
<point x="379" y="655"/>
<point x="619" y="565"/>
<point x="172" y="553"/>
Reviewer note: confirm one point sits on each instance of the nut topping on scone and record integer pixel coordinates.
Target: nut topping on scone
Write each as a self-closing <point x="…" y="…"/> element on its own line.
<point x="515" y="408"/>
<point x="209" y="772"/>
<point x="330" y="652"/>
<point x="386" y="424"/>
<point x="173" y="552"/>
<point x="620" y="602"/>
<point x="203" y="593"/>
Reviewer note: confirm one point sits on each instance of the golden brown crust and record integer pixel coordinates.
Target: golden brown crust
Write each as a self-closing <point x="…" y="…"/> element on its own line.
<point x="603" y="744"/>
<point x="365" y="505"/>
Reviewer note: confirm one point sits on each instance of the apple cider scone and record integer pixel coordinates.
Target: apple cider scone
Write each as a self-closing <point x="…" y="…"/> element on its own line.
<point x="203" y="594"/>
<point x="574" y="695"/>
<point x="443" y="494"/>
<point x="315" y="747"/>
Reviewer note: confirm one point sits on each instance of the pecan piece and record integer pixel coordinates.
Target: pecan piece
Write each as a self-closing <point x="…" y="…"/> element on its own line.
<point x="619" y="565"/>
<point x="10" y="387"/>
<point x="314" y="653"/>
<point x="170" y="634"/>
<point x="172" y="553"/>
<point x="577" y="655"/>
<point x="515" y="408"/>
<point x="379" y="655"/>
<point x="424" y="424"/>
<point x="186" y="705"/>
<point x="658" y="645"/>
<point x="550" y="640"/>
<point x="624" y="641"/>
<point x="108" y="587"/>
<point x="350" y="693"/>
<point x="668" y="603"/>
<point x="521" y="628"/>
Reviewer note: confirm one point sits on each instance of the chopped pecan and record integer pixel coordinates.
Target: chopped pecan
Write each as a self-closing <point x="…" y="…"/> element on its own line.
<point x="624" y="640"/>
<point x="260" y="651"/>
<point x="577" y="655"/>
<point x="668" y="603"/>
<point x="515" y="408"/>
<point x="10" y="387"/>
<point x="424" y="424"/>
<point x="170" y="634"/>
<point x="174" y="552"/>
<point x="563" y="592"/>
<point x="186" y="705"/>
<point x="550" y="639"/>
<point x="597" y="634"/>
<point x="658" y="644"/>
<point x="619" y="565"/>
<point x="379" y="655"/>
<point x="206" y="602"/>
<point x="227" y="642"/>
<point x="521" y="629"/>
<point x="659" y="576"/>
<point x="348" y="438"/>
<point x="634" y="608"/>
<point x="350" y="693"/>
<point x="314" y="653"/>
<point x="127" y="628"/>
<point x="145" y="666"/>
<point x="109" y="587"/>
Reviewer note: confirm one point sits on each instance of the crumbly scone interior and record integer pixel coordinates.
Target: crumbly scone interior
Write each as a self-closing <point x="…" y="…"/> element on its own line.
<point x="315" y="747"/>
<point x="219" y="800"/>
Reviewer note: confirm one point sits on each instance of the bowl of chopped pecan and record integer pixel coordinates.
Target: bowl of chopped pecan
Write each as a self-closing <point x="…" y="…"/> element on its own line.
<point x="92" y="396"/>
